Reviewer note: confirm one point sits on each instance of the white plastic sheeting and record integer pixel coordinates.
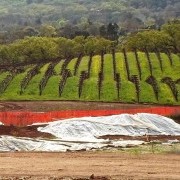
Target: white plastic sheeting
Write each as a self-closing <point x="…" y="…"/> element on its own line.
<point x="8" y="143"/>
<point x="89" y="128"/>
<point x="38" y="124"/>
<point x="85" y="133"/>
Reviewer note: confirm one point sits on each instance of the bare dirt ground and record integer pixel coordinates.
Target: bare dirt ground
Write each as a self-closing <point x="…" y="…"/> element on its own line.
<point x="63" y="105"/>
<point x="81" y="165"/>
<point x="98" y="165"/>
<point x="27" y="131"/>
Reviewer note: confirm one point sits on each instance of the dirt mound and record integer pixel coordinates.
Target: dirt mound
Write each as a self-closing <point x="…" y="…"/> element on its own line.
<point x="32" y="132"/>
<point x="28" y="131"/>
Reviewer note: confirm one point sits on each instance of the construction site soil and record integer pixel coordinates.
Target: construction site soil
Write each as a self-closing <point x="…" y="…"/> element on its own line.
<point x="32" y="132"/>
<point x="27" y="131"/>
<point x="97" y="165"/>
<point x="45" y="106"/>
<point x="88" y="165"/>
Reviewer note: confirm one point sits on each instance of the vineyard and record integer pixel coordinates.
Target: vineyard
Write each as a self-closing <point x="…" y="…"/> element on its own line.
<point x="132" y="77"/>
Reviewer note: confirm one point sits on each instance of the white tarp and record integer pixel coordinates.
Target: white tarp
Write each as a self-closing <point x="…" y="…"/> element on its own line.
<point x="89" y="128"/>
<point x="9" y="143"/>
<point x="85" y="133"/>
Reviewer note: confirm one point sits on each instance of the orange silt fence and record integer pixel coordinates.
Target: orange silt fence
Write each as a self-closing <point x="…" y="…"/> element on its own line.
<point x="26" y="118"/>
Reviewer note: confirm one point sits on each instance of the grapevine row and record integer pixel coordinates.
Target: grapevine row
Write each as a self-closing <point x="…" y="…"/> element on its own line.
<point x="50" y="72"/>
<point x="66" y="74"/>
<point x="172" y="86"/>
<point x="30" y="74"/>
<point x="84" y="75"/>
<point x="151" y="80"/>
<point x="135" y="80"/>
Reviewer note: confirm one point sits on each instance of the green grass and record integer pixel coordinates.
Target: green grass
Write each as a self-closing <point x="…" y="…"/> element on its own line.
<point x="71" y="89"/>
<point x="57" y="68"/>
<point x="51" y="89"/>
<point x="3" y="76"/>
<point x="83" y="66"/>
<point x="156" y="71"/>
<point x="157" y="148"/>
<point x="144" y="65"/>
<point x="125" y="96"/>
<point x="71" y="65"/>
<point x="13" y="90"/>
<point x="33" y="88"/>
<point x="132" y="64"/>
<point x="90" y="87"/>
<point x="109" y="92"/>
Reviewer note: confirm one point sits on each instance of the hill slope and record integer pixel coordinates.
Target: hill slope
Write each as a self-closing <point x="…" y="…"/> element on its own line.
<point x="99" y="80"/>
<point x="60" y="12"/>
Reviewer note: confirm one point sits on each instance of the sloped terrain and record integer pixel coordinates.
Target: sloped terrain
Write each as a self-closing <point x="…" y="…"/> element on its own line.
<point x="53" y="82"/>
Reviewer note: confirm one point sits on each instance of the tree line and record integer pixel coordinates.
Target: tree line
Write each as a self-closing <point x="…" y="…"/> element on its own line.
<point x="48" y="49"/>
<point x="45" y="49"/>
<point x="167" y="38"/>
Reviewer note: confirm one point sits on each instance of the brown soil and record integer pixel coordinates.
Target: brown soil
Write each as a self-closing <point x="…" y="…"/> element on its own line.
<point x="28" y="131"/>
<point x="38" y="106"/>
<point x="97" y="165"/>
<point x="32" y="132"/>
<point x="161" y="138"/>
<point x="81" y="165"/>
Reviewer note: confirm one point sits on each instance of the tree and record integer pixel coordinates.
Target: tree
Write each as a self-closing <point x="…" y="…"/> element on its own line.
<point x="37" y="49"/>
<point x="48" y="31"/>
<point x="90" y="45"/>
<point x="30" y="31"/>
<point x="4" y="55"/>
<point x="66" y="48"/>
<point x="103" y="45"/>
<point x="172" y="29"/>
<point x="113" y="31"/>
<point x="151" y="40"/>
<point x="103" y="31"/>
<point x="79" y="45"/>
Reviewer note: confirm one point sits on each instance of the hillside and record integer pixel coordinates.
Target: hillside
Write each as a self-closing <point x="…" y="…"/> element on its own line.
<point x="20" y="18"/>
<point x="53" y="11"/>
<point x="111" y="79"/>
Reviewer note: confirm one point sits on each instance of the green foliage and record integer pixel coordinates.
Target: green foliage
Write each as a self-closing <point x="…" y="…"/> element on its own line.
<point x="109" y="88"/>
<point x="172" y="29"/>
<point x="155" y="148"/>
<point x="45" y="49"/>
<point x="47" y="31"/>
<point x="20" y="18"/>
<point x="151" y="40"/>
<point x="90" y="87"/>
<point x="167" y="38"/>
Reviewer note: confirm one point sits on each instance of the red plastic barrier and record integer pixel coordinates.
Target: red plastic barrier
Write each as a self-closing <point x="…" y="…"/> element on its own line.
<point x="27" y="118"/>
